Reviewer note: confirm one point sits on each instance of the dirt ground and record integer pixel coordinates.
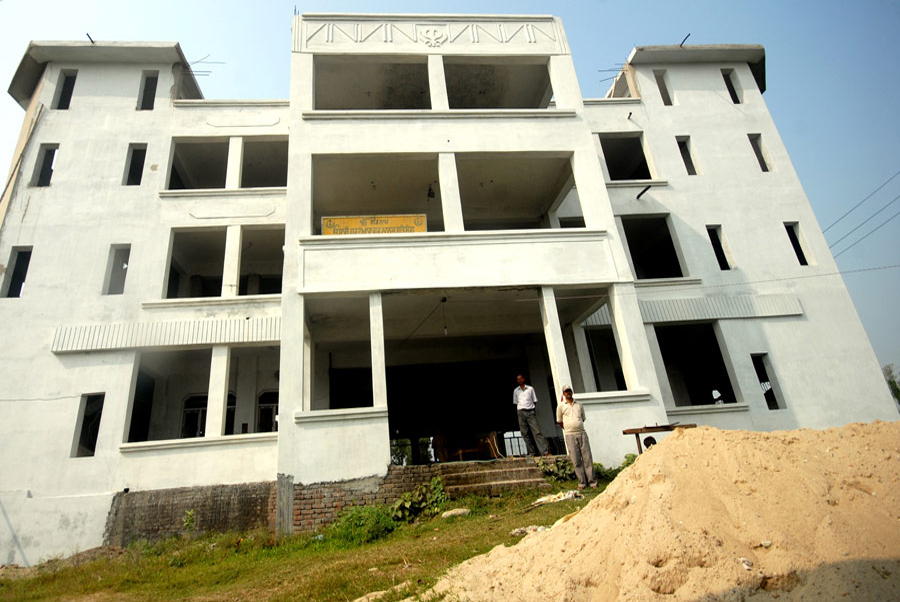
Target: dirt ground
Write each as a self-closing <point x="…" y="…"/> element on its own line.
<point x="719" y="515"/>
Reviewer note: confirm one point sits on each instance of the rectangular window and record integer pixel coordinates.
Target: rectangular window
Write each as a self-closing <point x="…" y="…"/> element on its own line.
<point x="625" y="158"/>
<point x="116" y="269"/>
<point x="16" y="271"/>
<point x="684" y="145"/>
<point x="734" y="87"/>
<point x="134" y="164"/>
<point x="756" y="143"/>
<point x="766" y="383"/>
<point x="43" y="170"/>
<point x="64" y="88"/>
<point x="793" y="232"/>
<point x="715" y="237"/>
<point x="88" y="427"/>
<point x="663" y="88"/>
<point x="651" y="247"/>
<point x="147" y="93"/>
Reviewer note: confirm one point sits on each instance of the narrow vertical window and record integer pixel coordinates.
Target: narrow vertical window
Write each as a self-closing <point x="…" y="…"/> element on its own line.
<point x="116" y="269"/>
<point x="684" y="145"/>
<point x="44" y="169"/>
<point x="731" y="82"/>
<point x="134" y="164"/>
<point x="756" y="143"/>
<point x="766" y="383"/>
<point x="147" y="93"/>
<point x="64" y="89"/>
<point x="663" y="88"/>
<point x="715" y="238"/>
<point x="793" y="232"/>
<point x="88" y="426"/>
<point x="16" y="271"/>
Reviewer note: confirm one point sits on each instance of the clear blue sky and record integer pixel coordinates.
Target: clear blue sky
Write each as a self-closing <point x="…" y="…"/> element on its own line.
<point x="831" y="73"/>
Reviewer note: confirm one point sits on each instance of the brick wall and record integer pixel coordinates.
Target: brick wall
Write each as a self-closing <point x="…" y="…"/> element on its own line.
<point x="319" y="504"/>
<point x="160" y="513"/>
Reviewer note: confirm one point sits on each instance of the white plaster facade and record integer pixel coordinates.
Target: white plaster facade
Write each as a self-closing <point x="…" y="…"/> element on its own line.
<point x="527" y="265"/>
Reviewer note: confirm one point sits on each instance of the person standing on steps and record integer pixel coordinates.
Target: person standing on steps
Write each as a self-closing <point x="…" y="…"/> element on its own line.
<point x="524" y="397"/>
<point x="570" y="416"/>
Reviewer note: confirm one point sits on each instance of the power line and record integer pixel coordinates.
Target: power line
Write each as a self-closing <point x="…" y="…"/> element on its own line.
<point x="852" y="209"/>
<point x="868" y="234"/>
<point x="864" y="222"/>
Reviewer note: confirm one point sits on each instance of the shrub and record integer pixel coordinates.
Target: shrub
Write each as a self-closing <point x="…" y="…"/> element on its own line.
<point x="559" y="469"/>
<point x="361" y="524"/>
<point x="424" y="500"/>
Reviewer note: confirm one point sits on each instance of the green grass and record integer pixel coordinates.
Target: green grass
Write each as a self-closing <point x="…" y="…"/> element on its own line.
<point x="234" y="566"/>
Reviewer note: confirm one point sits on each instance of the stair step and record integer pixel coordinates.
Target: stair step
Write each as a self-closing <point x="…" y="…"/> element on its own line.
<point x="496" y="488"/>
<point x="455" y="467"/>
<point x="491" y="476"/>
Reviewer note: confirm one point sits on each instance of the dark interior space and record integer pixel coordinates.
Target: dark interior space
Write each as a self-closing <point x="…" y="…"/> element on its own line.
<point x="652" y="250"/>
<point x="625" y="159"/>
<point x="694" y="364"/>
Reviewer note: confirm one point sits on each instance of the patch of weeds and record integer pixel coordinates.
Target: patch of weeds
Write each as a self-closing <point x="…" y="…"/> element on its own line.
<point x="361" y="524"/>
<point x="424" y="500"/>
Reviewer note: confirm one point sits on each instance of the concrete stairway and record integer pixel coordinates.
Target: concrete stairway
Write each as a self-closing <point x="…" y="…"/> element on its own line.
<point x="492" y="477"/>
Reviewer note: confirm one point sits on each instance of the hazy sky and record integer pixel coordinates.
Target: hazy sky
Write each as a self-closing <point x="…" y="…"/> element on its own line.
<point x="831" y="77"/>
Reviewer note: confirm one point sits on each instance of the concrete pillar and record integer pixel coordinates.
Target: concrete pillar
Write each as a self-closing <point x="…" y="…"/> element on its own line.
<point x="217" y="400"/>
<point x="245" y="408"/>
<point x="231" y="274"/>
<point x="451" y="202"/>
<point x="235" y="162"/>
<point x="631" y="338"/>
<point x="376" y="334"/>
<point x="437" y="83"/>
<point x="309" y="368"/>
<point x="584" y="358"/>
<point x="564" y="81"/>
<point x="556" y="347"/>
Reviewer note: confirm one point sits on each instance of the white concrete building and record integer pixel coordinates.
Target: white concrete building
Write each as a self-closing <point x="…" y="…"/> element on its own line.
<point x="168" y="291"/>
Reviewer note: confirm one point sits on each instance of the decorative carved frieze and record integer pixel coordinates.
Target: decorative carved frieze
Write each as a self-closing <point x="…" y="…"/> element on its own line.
<point x="524" y="36"/>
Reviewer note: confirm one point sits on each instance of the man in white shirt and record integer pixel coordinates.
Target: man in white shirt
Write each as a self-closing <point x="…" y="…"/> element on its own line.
<point x="524" y="397"/>
<point x="570" y="416"/>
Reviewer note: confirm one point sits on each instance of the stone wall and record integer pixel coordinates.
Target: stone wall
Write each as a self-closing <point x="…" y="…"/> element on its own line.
<point x="160" y="513"/>
<point x="319" y="504"/>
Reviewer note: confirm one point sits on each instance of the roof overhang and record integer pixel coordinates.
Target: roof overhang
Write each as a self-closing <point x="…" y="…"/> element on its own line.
<point x="38" y="54"/>
<point x="752" y="54"/>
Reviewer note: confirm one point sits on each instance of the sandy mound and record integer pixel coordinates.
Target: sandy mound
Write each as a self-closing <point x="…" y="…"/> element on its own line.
<point x="815" y="515"/>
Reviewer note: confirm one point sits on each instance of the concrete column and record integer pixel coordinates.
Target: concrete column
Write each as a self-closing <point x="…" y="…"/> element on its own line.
<point x="217" y="401"/>
<point x="631" y="338"/>
<point x="376" y="334"/>
<point x="451" y="203"/>
<point x="231" y="274"/>
<point x="309" y="368"/>
<point x="437" y="83"/>
<point x="564" y="81"/>
<point x="584" y="357"/>
<point x="245" y="408"/>
<point x="556" y="347"/>
<point x="235" y="162"/>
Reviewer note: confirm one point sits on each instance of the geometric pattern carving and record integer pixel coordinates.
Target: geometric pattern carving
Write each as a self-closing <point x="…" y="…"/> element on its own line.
<point x="133" y="335"/>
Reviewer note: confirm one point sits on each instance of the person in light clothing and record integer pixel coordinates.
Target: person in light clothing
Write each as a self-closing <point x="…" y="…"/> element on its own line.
<point x="524" y="397"/>
<point x="570" y="416"/>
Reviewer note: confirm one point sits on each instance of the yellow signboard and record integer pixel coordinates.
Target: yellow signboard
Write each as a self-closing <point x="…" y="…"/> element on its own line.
<point x="373" y="224"/>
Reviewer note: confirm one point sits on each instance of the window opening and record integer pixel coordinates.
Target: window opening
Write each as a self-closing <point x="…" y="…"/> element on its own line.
<point x="197" y="263"/>
<point x="625" y="158"/>
<point x="766" y="383"/>
<point x="684" y="145"/>
<point x="17" y="270"/>
<point x="147" y="93"/>
<point x="694" y="364"/>
<point x="199" y="164"/>
<point x="230" y="409"/>
<point x="65" y="87"/>
<point x="134" y="164"/>
<point x="756" y="143"/>
<point x="46" y="161"/>
<point x="604" y="353"/>
<point x="372" y="82"/>
<point x="264" y="163"/>
<point x="117" y="269"/>
<point x="663" y="88"/>
<point x="89" y="413"/>
<point x="793" y="232"/>
<point x="267" y="413"/>
<point x="732" y="84"/>
<point x="262" y="261"/>
<point x="193" y="418"/>
<point x="651" y="247"/>
<point x="715" y="238"/>
<point x="497" y="83"/>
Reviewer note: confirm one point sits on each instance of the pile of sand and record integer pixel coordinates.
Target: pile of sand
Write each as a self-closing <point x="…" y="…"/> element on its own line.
<point x="815" y="515"/>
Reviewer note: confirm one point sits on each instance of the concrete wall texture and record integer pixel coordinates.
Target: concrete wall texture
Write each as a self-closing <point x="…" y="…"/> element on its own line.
<point x="177" y="325"/>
